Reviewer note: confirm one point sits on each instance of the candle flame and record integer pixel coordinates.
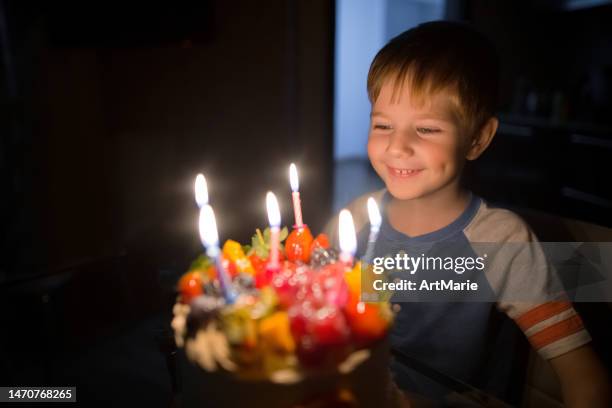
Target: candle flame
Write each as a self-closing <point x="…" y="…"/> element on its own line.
<point x="208" y="227"/>
<point x="273" y="211"/>
<point x="293" y="178"/>
<point x="374" y="214"/>
<point x="201" y="190"/>
<point x="348" y="239"/>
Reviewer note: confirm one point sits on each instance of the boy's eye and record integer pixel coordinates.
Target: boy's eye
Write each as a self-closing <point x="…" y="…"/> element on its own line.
<point x="427" y="130"/>
<point x="382" y="126"/>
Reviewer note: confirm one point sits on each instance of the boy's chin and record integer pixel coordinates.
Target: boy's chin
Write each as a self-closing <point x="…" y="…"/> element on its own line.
<point x="401" y="194"/>
<point x="416" y="192"/>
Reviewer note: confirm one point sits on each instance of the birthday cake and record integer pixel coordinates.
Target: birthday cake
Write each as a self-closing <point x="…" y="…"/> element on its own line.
<point x="278" y="322"/>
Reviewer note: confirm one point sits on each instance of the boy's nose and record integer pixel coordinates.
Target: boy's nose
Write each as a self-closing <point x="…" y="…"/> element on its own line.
<point x="400" y="144"/>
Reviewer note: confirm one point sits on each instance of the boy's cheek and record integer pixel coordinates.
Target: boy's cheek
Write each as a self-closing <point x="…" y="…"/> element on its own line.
<point x="374" y="147"/>
<point x="370" y="148"/>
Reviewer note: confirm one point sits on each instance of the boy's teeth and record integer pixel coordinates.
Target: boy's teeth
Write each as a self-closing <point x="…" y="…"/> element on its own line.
<point x="404" y="172"/>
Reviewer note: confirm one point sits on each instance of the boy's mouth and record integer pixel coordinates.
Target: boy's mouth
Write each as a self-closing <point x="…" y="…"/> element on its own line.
<point x="403" y="173"/>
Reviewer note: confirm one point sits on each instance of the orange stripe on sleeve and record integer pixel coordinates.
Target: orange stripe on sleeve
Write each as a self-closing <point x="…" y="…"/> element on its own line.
<point x="556" y="332"/>
<point x="541" y="313"/>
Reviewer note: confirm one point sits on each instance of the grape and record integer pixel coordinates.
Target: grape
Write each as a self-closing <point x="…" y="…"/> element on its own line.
<point x="244" y="282"/>
<point x="202" y="310"/>
<point x="212" y="288"/>
<point x="321" y="257"/>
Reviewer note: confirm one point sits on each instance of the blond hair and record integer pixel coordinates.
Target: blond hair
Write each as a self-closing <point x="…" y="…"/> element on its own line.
<point x="441" y="55"/>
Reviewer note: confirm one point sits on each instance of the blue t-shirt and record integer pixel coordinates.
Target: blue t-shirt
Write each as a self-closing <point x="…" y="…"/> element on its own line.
<point x="475" y="337"/>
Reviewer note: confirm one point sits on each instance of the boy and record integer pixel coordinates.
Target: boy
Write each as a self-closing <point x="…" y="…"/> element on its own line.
<point x="433" y="91"/>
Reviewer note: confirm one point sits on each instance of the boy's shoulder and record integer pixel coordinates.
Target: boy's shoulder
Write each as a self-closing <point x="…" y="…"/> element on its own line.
<point x="489" y="224"/>
<point x="495" y="224"/>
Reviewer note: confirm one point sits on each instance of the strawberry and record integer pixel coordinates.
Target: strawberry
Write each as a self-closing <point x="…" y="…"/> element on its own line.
<point x="286" y="284"/>
<point x="258" y="264"/>
<point x="321" y="241"/>
<point x="329" y="327"/>
<point x="309" y="353"/>
<point x="230" y="267"/>
<point x="368" y="321"/>
<point x="190" y="286"/>
<point x="298" y="321"/>
<point x="297" y="245"/>
<point x="322" y="335"/>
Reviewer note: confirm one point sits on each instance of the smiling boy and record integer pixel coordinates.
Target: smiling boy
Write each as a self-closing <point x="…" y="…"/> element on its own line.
<point x="433" y="91"/>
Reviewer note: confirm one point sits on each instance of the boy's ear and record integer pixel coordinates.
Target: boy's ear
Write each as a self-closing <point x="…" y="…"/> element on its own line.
<point x="482" y="139"/>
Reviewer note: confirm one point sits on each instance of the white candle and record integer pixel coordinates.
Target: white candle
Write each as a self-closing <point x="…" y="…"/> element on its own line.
<point x="348" y="239"/>
<point x="275" y="220"/>
<point x="210" y="239"/>
<point x="295" y="188"/>
<point x="375" y="221"/>
<point x="201" y="191"/>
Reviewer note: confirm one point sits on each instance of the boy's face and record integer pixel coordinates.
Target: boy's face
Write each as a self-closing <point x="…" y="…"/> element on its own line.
<point x="418" y="150"/>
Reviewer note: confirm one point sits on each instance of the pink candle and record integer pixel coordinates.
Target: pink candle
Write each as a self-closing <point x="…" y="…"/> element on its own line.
<point x="274" y="238"/>
<point x="297" y="209"/>
<point x="275" y="221"/>
<point x="295" y="187"/>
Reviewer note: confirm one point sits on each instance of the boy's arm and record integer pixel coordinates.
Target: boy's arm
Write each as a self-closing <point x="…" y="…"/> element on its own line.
<point x="584" y="379"/>
<point x="530" y="293"/>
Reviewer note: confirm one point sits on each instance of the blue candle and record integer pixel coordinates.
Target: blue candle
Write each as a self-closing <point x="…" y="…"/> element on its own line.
<point x="201" y="191"/>
<point x="210" y="239"/>
<point x="375" y="221"/>
<point x="348" y="238"/>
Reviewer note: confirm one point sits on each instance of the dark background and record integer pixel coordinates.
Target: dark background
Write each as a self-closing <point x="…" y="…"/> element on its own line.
<point x="110" y="110"/>
<point x="554" y="144"/>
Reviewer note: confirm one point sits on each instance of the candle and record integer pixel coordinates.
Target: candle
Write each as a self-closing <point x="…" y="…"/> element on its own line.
<point x="201" y="191"/>
<point x="375" y="221"/>
<point x="295" y="187"/>
<point x="275" y="220"/>
<point x="348" y="239"/>
<point x="210" y="239"/>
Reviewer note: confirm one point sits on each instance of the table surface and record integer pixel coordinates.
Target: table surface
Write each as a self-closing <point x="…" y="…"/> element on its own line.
<point x="459" y="393"/>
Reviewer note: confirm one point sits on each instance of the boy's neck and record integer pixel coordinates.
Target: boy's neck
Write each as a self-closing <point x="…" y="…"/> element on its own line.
<point x="427" y="214"/>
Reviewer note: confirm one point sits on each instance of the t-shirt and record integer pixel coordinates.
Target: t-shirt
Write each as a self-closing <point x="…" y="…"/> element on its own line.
<point x="474" y="339"/>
